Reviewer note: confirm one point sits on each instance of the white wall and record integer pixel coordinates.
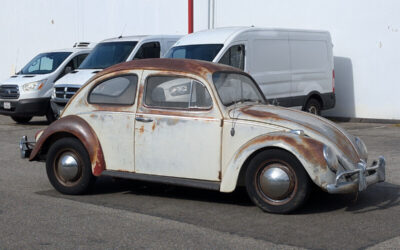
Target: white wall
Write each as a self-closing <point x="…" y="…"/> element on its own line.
<point x="365" y="33"/>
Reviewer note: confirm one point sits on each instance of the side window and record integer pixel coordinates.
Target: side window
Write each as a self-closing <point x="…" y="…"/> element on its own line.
<point x="72" y="65"/>
<point x="119" y="90"/>
<point x="177" y="93"/>
<point x="148" y="50"/>
<point x="79" y="59"/>
<point x="234" y="56"/>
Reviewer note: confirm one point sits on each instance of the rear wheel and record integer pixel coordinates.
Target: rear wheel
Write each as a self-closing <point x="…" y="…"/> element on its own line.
<point x="277" y="182"/>
<point x="21" y="119"/>
<point x="313" y="106"/>
<point x="68" y="166"/>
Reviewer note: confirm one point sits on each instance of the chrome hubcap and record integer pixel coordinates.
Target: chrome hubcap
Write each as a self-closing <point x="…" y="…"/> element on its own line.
<point x="275" y="182"/>
<point x="68" y="167"/>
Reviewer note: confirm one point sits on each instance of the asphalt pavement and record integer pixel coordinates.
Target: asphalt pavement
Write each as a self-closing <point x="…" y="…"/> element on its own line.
<point x="130" y="214"/>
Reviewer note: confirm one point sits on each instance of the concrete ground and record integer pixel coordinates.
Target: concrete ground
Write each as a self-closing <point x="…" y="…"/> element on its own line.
<point x="129" y="214"/>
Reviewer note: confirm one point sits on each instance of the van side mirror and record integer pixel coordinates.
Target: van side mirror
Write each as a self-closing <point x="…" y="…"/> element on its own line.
<point x="67" y="69"/>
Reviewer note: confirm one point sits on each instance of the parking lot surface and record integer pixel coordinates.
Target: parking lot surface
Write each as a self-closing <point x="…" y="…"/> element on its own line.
<point x="127" y="214"/>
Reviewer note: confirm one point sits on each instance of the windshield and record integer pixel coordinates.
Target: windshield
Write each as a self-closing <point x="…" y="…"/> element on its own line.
<point x="205" y="52"/>
<point x="235" y="88"/>
<point x="107" y="54"/>
<point x="44" y="63"/>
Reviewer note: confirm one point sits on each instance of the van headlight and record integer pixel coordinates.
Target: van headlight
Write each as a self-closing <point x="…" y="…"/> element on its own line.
<point x="362" y="148"/>
<point x="330" y="158"/>
<point x="32" y="86"/>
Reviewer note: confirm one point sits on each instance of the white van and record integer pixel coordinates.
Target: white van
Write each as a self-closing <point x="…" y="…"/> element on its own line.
<point x="107" y="53"/>
<point x="27" y="93"/>
<point x="294" y="68"/>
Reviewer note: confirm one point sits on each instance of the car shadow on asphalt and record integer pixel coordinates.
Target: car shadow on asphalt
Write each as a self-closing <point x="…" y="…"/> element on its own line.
<point x="378" y="197"/>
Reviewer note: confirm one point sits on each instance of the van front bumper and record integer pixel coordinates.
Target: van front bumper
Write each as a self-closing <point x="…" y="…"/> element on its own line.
<point x="358" y="179"/>
<point x="24" y="107"/>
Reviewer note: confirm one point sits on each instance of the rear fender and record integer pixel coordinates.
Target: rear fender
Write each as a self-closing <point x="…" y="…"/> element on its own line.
<point x="79" y="128"/>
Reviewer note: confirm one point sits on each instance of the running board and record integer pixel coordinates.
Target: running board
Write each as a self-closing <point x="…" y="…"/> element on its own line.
<point x="210" y="185"/>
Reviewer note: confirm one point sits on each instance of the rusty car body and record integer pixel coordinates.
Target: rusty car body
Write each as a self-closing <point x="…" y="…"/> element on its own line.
<point x="198" y="124"/>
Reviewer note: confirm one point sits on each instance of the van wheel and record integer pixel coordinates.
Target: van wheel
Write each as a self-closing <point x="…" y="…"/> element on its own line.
<point x="21" y="119"/>
<point x="50" y="116"/>
<point x="313" y="106"/>
<point x="68" y="166"/>
<point x="277" y="182"/>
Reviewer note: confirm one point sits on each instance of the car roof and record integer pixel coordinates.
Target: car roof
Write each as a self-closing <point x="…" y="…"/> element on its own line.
<point x="221" y="35"/>
<point x="138" y="38"/>
<point x="190" y="66"/>
<point x="72" y="50"/>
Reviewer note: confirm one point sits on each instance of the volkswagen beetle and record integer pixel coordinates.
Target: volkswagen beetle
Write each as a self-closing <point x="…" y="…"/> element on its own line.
<point x="198" y="124"/>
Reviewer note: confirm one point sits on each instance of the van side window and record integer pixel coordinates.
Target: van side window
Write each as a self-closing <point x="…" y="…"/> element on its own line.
<point x="118" y="90"/>
<point x="234" y="56"/>
<point x="148" y="50"/>
<point x="176" y="92"/>
<point x="72" y="65"/>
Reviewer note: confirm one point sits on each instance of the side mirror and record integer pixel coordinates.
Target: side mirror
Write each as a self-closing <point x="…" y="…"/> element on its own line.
<point x="67" y="69"/>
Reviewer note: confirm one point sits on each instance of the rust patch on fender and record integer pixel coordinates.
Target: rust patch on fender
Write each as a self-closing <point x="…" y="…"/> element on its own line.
<point x="309" y="149"/>
<point x="79" y="128"/>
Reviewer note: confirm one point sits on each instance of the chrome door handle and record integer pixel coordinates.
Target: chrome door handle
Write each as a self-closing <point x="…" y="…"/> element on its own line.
<point x="143" y="119"/>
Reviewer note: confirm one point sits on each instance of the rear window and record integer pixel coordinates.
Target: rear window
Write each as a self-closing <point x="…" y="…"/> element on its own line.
<point x="118" y="90"/>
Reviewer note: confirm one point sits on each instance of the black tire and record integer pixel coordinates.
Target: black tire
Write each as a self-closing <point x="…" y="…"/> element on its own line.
<point x="50" y="116"/>
<point x="313" y="106"/>
<point x="298" y="184"/>
<point x="83" y="179"/>
<point x="21" y="119"/>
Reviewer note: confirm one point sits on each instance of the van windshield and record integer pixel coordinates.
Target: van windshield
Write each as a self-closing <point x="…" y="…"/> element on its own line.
<point x="205" y="52"/>
<point x="107" y="54"/>
<point x="235" y="88"/>
<point x="44" y="63"/>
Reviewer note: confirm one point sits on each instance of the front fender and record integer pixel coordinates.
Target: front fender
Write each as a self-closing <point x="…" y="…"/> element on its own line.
<point x="76" y="126"/>
<point x="307" y="150"/>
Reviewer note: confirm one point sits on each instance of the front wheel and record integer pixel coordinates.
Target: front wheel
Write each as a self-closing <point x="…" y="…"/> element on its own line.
<point x="21" y="119"/>
<point x="68" y="166"/>
<point x="277" y="182"/>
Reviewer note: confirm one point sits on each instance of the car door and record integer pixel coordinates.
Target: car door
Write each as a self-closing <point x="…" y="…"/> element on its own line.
<point x="112" y="118"/>
<point x="178" y="129"/>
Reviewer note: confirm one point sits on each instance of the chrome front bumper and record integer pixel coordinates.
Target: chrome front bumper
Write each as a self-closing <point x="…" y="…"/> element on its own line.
<point x="365" y="176"/>
<point x="25" y="147"/>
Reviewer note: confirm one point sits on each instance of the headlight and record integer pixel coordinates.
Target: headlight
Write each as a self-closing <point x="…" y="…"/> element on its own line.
<point x="361" y="148"/>
<point x="33" y="85"/>
<point x="330" y="158"/>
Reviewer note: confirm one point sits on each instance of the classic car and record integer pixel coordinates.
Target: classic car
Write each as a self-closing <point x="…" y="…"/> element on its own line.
<point x="198" y="124"/>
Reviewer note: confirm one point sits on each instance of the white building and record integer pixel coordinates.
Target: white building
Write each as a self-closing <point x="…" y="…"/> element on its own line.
<point x="366" y="35"/>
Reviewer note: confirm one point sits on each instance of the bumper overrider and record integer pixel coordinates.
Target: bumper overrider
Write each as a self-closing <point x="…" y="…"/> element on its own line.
<point x="359" y="178"/>
<point x="26" y="147"/>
